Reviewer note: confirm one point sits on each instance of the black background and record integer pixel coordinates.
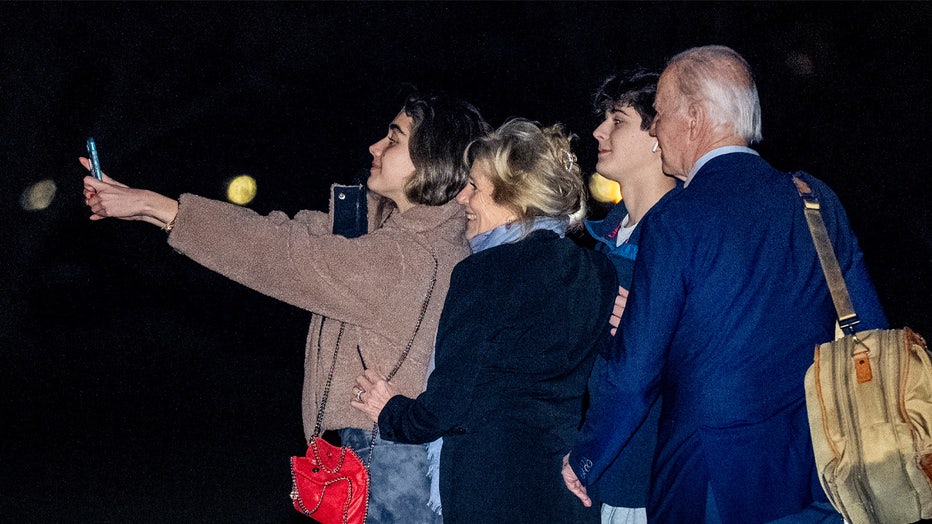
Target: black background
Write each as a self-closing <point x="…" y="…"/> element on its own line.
<point x="138" y="387"/>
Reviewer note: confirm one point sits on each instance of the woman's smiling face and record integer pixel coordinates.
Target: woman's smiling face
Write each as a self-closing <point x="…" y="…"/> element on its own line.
<point x="482" y="212"/>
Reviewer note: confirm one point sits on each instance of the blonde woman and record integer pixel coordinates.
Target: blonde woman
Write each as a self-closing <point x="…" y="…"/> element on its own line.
<point x="524" y="318"/>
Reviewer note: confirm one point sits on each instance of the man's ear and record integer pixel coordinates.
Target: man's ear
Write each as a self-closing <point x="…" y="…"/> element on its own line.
<point x="697" y="120"/>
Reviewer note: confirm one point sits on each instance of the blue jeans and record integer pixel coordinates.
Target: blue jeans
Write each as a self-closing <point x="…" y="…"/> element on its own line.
<point x="398" y="484"/>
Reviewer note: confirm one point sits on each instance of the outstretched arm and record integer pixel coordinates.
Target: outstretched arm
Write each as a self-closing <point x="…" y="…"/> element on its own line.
<point x="108" y="198"/>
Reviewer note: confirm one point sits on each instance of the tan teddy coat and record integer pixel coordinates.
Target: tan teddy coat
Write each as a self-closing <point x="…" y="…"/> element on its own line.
<point x="375" y="284"/>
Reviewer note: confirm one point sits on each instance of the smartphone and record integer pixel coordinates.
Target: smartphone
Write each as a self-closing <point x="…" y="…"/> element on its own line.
<point x="350" y="217"/>
<point x="95" y="162"/>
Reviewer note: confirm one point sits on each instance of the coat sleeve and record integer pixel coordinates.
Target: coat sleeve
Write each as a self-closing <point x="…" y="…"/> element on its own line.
<point x="625" y="379"/>
<point x="298" y="262"/>
<point x="463" y="350"/>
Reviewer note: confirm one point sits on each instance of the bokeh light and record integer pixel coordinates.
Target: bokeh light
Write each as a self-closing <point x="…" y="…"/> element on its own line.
<point x="39" y="195"/>
<point x="604" y="190"/>
<point x="241" y="189"/>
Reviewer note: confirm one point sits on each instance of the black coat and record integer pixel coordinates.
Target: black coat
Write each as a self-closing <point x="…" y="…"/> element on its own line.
<point x="520" y="328"/>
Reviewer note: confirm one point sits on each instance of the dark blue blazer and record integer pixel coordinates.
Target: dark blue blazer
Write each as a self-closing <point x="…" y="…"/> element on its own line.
<point x="625" y="482"/>
<point x="519" y="332"/>
<point x="727" y="304"/>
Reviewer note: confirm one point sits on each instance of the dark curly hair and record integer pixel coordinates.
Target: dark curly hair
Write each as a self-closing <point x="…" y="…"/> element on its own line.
<point x="636" y="88"/>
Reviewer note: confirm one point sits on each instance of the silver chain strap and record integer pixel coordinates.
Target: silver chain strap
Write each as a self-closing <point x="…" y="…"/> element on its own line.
<point x="401" y="359"/>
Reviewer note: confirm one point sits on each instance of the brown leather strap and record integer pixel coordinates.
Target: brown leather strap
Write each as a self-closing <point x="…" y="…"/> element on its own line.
<point x="847" y="318"/>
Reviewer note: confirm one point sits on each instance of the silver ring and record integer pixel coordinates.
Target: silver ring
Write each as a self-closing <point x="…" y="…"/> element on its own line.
<point x="359" y="393"/>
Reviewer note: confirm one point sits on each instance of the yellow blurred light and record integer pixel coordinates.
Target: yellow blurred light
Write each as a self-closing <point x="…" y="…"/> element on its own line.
<point x="604" y="190"/>
<point x="38" y="196"/>
<point x="242" y="189"/>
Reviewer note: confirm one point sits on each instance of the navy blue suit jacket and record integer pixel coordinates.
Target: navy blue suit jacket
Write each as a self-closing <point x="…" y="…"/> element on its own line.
<point x="625" y="482"/>
<point x="727" y="303"/>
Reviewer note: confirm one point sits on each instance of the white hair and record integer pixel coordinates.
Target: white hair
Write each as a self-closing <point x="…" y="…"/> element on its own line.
<point x="720" y="79"/>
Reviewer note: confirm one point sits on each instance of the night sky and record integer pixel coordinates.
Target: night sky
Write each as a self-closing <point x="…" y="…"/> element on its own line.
<point x="136" y="386"/>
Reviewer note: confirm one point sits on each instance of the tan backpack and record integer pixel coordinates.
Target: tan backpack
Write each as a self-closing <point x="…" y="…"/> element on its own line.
<point x="869" y="400"/>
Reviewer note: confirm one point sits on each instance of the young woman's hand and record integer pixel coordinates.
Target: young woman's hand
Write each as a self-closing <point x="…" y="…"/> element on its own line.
<point x="108" y="198"/>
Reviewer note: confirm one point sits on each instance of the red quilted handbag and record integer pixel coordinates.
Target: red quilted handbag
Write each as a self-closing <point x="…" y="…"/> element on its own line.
<point x="330" y="484"/>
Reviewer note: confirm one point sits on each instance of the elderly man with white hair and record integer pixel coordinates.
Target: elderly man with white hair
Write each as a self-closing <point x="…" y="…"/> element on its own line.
<point x="727" y="303"/>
